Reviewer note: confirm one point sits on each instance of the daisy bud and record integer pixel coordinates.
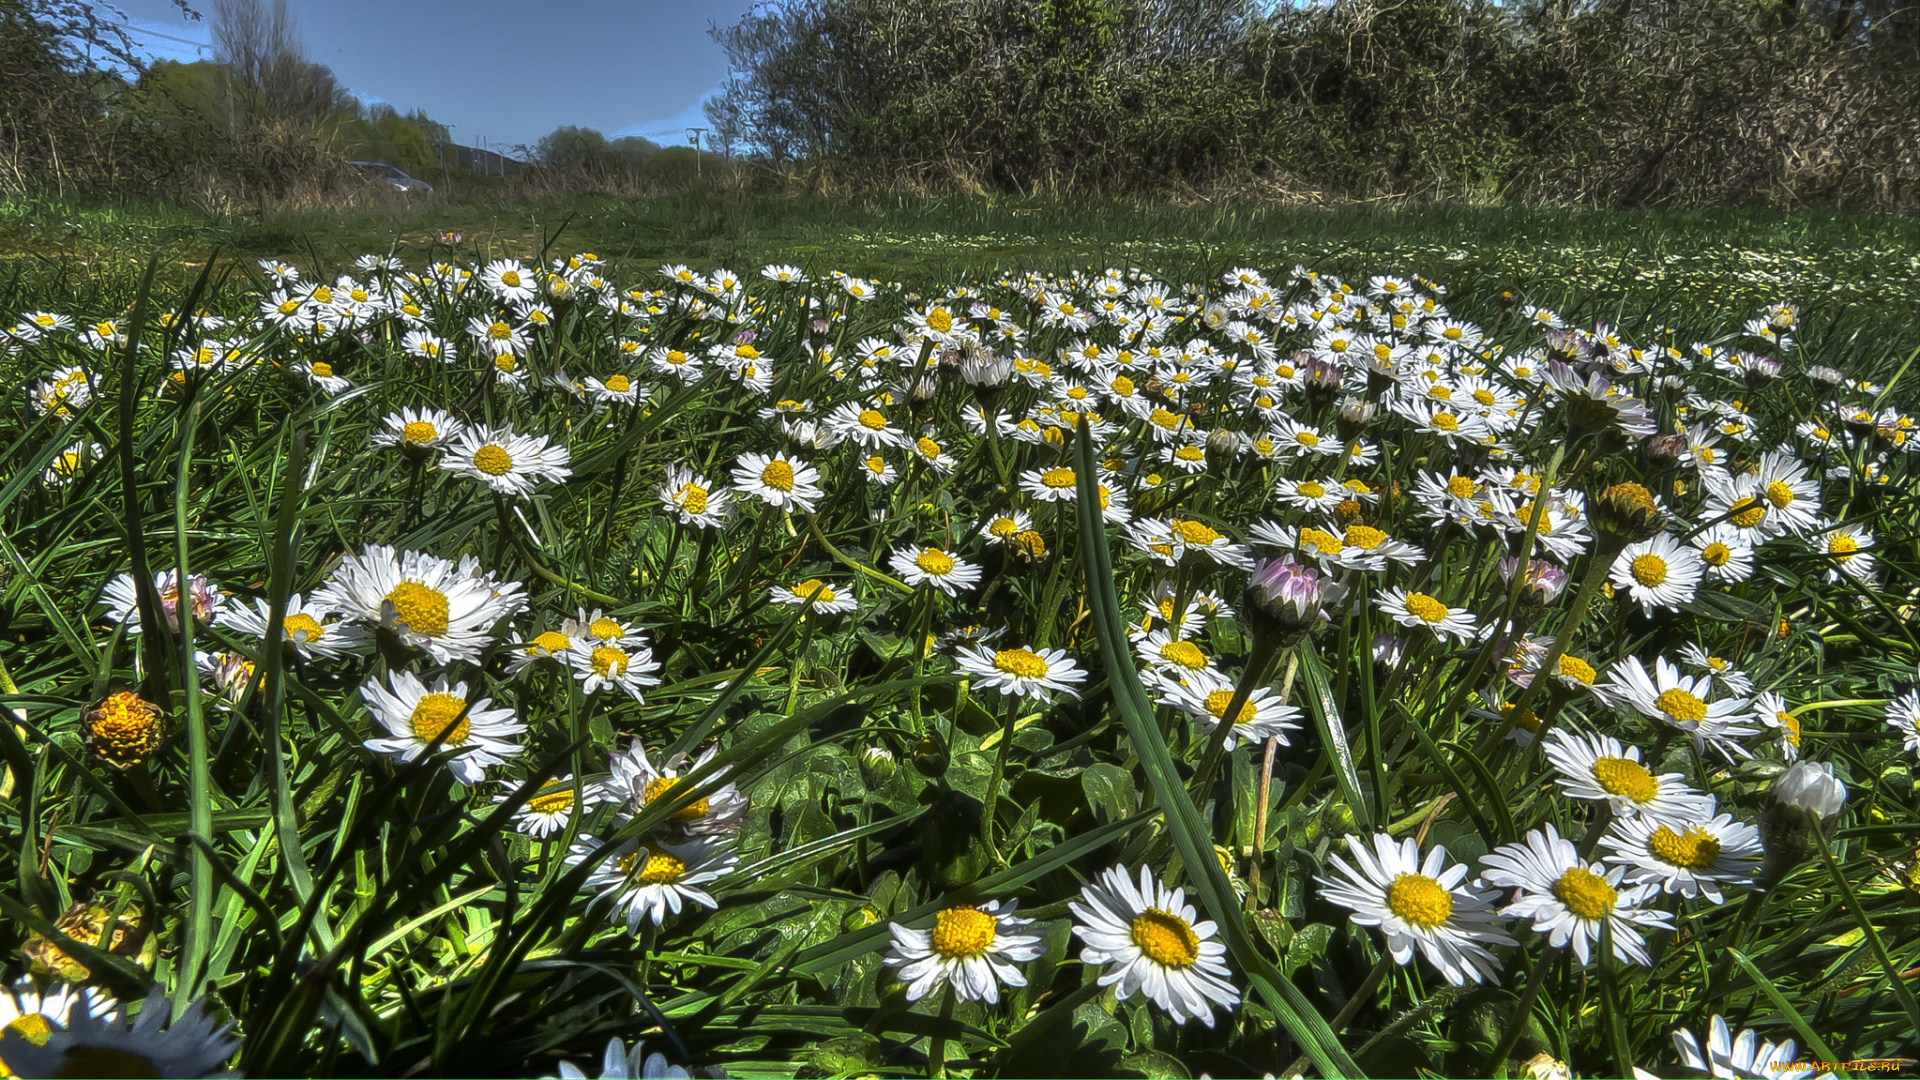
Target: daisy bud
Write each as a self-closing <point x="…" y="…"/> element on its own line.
<point x="878" y="762"/>
<point x="1223" y="448"/>
<point x="1568" y="347"/>
<point x="1287" y="598"/>
<point x="1506" y="300"/>
<point x="1355" y="415"/>
<point x="1806" y="799"/>
<point x="1626" y="513"/>
<point x="1826" y="376"/>
<point x="1544" y="582"/>
<point x="125" y="730"/>
<point x="1320" y="381"/>
<point x="930" y="756"/>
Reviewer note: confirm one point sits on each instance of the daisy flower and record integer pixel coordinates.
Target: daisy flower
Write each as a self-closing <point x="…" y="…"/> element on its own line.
<point x="1205" y="695"/>
<point x="1421" y="610"/>
<point x="1005" y="527"/>
<point x="1741" y="1057"/>
<point x="648" y="879"/>
<point x="1773" y="713"/>
<point x="322" y="374"/>
<point x="509" y="464"/>
<point x="1568" y="899"/>
<point x="1722" y="669"/>
<point x="1692" y="858"/>
<point x="509" y="281"/>
<point x="1170" y="656"/>
<point x="1321" y="495"/>
<point x="1903" y="716"/>
<point x="1598" y="768"/>
<point x="864" y="425"/>
<point x="419" y="430"/>
<point x="694" y="499"/>
<point x="1058" y="484"/>
<point x="310" y="629"/>
<point x="598" y="627"/>
<point x="1726" y="553"/>
<point x="1147" y="940"/>
<point x="878" y="470"/>
<point x="66" y="466"/>
<point x="619" y="1063"/>
<point x="431" y="604"/>
<point x="204" y="599"/>
<point x="1419" y="903"/>
<point x="27" y="1012"/>
<point x="1022" y="672"/>
<point x="972" y="949"/>
<point x="931" y="566"/>
<point x="824" y="598"/>
<point x="621" y="665"/>
<point x="778" y="481"/>
<point x="1658" y="572"/>
<point x="194" y="1045"/>
<point x="550" y="807"/>
<point x="635" y="782"/>
<point x="1680" y="701"/>
<point x="1846" y="550"/>
<point x="497" y="337"/>
<point x="548" y="644"/>
<point x="416" y="717"/>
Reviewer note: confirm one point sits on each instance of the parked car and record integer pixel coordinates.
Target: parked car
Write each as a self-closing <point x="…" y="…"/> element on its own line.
<point x="380" y="170"/>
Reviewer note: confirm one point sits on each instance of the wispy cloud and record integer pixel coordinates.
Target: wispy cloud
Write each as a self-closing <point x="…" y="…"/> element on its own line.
<point x="672" y="130"/>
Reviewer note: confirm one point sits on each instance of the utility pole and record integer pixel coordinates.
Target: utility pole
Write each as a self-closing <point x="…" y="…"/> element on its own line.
<point x="694" y="134"/>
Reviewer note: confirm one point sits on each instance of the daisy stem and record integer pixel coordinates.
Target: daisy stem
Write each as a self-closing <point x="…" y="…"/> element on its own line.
<point x="1359" y="999"/>
<point x="1000" y="754"/>
<point x="1259" y="667"/>
<point x="937" y="1053"/>
<point x="1260" y="824"/>
<point x="1900" y="991"/>
<point x="841" y="557"/>
<point x="1610" y="993"/>
<point x="800" y="659"/>
<point x="1517" y="1022"/>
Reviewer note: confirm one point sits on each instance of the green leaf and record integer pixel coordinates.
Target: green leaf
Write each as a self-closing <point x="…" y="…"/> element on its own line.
<point x="1190" y="835"/>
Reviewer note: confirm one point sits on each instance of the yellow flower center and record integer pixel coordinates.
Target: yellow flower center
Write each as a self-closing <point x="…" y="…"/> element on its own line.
<point x="1195" y="533"/>
<point x="806" y="588"/>
<point x="1460" y="487"/>
<point x="510" y="279"/>
<point x="746" y="352"/>
<point x="1003" y="527"/>
<point x="1682" y="706"/>
<point x="302" y="627"/>
<point x="1218" y="701"/>
<point x="872" y="420"/>
<point x="1441" y="393"/>
<point x="1312" y="489"/>
<point x="1791" y="724"/>
<point x="1306" y="438"/>
<point x="552" y="641"/>
<point x="1165" y="938"/>
<point x="506" y="363"/>
<point x="1122" y="386"/>
<point x="551" y="802"/>
<point x="1365" y="537"/>
<point x="1572" y="667"/>
<point x="927" y="447"/>
<point x="1716" y="554"/>
<point x="877" y="465"/>
<point x="493" y="460"/>
<point x="1524" y="719"/>
<point x="651" y="866"/>
<point x="962" y="932"/>
<point x="1748" y="512"/>
<point x="499" y="331"/>
<point x="935" y="562"/>
<point x="1184" y="654"/>
<point x="1322" y="542"/>
<point x="422" y="608"/>
<point x="125" y="728"/>
<point x="322" y="294"/>
<point x="619" y="384"/>
<point x="1649" y="570"/>
<point x="1585" y="893"/>
<point x="1058" y="478"/>
<point x="1484" y="397"/>
<point x="659" y="786"/>
<point x="1420" y="900"/>
<point x="1695" y="849"/>
<point x="437" y="713"/>
<point x="1021" y="663"/>
<point x="420" y="431"/>
<point x="1446" y="421"/>
<point x="1780" y="495"/>
<point x="692" y="498"/>
<point x="1843" y="547"/>
<point x="33" y="1027"/>
<point x="778" y="475"/>
<point x="1625" y="777"/>
<point x="1426" y="607"/>
<point x="609" y="661"/>
<point x="321" y="369"/>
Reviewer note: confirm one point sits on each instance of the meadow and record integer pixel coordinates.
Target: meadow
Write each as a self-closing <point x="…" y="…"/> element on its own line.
<point x="725" y="635"/>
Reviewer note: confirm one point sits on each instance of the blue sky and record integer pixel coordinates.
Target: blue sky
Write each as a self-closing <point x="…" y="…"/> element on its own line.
<point x="504" y="70"/>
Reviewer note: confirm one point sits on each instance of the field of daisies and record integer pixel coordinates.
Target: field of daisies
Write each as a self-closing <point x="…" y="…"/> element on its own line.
<point x="542" y="667"/>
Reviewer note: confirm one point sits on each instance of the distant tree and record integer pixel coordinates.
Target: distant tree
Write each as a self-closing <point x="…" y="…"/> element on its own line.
<point x="260" y="43"/>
